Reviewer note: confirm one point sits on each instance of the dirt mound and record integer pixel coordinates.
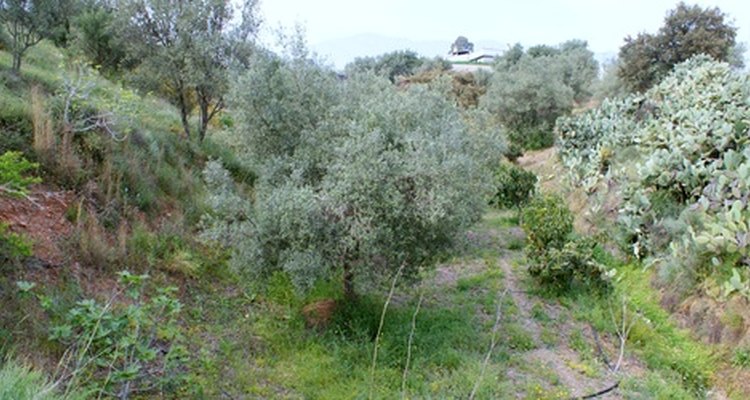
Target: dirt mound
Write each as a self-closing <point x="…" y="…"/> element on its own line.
<point x="40" y="218"/>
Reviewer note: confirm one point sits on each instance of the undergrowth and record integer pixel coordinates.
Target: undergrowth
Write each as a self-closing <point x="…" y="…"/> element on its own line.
<point x="669" y="352"/>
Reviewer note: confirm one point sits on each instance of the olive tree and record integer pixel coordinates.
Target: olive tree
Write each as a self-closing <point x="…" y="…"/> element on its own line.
<point x="530" y="90"/>
<point x="462" y="45"/>
<point x="527" y="98"/>
<point x="27" y="22"/>
<point x="184" y="50"/>
<point x="400" y="63"/>
<point x="375" y="179"/>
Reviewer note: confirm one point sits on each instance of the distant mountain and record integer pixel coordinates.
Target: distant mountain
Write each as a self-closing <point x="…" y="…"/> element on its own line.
<point x="340" y="52"/>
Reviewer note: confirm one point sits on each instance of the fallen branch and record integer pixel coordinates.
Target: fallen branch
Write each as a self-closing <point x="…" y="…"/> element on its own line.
<point x="14" y="192"/>
<point x="599" y="393"/>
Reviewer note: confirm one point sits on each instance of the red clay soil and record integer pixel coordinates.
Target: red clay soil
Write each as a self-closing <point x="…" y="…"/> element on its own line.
<point x="41" y="219"/>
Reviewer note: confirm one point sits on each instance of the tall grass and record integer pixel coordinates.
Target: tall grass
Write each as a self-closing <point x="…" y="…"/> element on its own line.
<point x="43" y="139"/>
<point x="21" y="382"/>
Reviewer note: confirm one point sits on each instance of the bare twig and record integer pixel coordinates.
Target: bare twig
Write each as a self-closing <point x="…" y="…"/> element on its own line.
<point x="493" y="343"/>
<point x="623" y="331"/>
<point x="380" y="327"/>
<point x="15" y="192"/>
<point x="409" y="344"/>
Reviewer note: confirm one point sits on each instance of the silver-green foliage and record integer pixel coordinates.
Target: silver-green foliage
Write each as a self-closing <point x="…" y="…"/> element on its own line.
<point x="357" y="176"/>
<point x="688" y="142"/>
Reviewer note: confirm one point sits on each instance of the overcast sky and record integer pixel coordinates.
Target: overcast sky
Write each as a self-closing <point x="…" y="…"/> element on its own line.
<point x="603" y="23"/>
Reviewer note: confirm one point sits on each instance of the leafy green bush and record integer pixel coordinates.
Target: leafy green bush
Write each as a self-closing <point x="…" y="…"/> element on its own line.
<point x="573" y="265"/>
<point x="12" y="245"/>
<point x="557" y="261"/>
<point x="548" y="224"/>
<point x="122" y="349"/>
<point x="13" y="168"/>
<point x="515" y="186"/>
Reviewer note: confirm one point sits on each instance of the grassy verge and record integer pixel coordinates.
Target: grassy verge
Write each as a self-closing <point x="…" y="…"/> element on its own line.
<point x="260" y="340"/>
<point x="678" y="365"/>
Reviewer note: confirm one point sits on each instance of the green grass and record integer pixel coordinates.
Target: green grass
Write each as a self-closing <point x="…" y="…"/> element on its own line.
<point x="21" y="382"/>
<point x="271" y="354"/>
<point x="665" y="349"/>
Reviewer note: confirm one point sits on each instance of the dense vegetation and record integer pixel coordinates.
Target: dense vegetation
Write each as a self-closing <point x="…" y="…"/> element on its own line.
<point x="529" y="90"/>
<point x="688" y="30"/>
<point x="193" y="215"/>
<point x="677" y="155"/>
<point x="364" y="179"/>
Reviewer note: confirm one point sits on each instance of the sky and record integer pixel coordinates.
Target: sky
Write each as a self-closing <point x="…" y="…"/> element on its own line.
<point x="603" y="23"/>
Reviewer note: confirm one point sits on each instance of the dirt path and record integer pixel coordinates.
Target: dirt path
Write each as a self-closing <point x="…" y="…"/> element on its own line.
<point x="560" y="358"/>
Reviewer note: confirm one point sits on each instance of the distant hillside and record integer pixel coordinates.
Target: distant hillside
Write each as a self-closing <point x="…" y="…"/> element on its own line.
<point x="340" y="52"/>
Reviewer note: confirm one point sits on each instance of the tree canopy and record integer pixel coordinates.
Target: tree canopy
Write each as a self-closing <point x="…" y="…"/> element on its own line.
<point x="184" y="50"/>
<point x="28" y="22"/>
<point x="687" y="31"/>
<point x="400" y="63"/>
<point x="462" y="45"/>
<point x="529" y="90"/>
<point x="358" y="177"/>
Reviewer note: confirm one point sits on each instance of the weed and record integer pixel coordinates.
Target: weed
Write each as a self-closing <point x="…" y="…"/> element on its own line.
<point x="517" y="338"/>
<point x="654" y="386"/>
<point x="21" y="382"/>
<point x="664" y="347"/>
<point x="741" y="357"/>
<point x="579" y="343"/>
<point x="538" y="313"/>
<point x="515" y="243"/>
<point x="120" y="350"/>
<point x="549" y="336"/>
<point x="13" y="246"/>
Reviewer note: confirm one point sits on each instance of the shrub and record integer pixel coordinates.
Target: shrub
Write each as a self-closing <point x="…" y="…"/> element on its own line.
<point x="12" y="245"/>
<point x="678" y="154"/>
<point x="573" y="265"/>
<point x="13" y="168"/>
<point x="547" y="222"/>
<point x="515" y="186"/>
<point x="125" y="349"/>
